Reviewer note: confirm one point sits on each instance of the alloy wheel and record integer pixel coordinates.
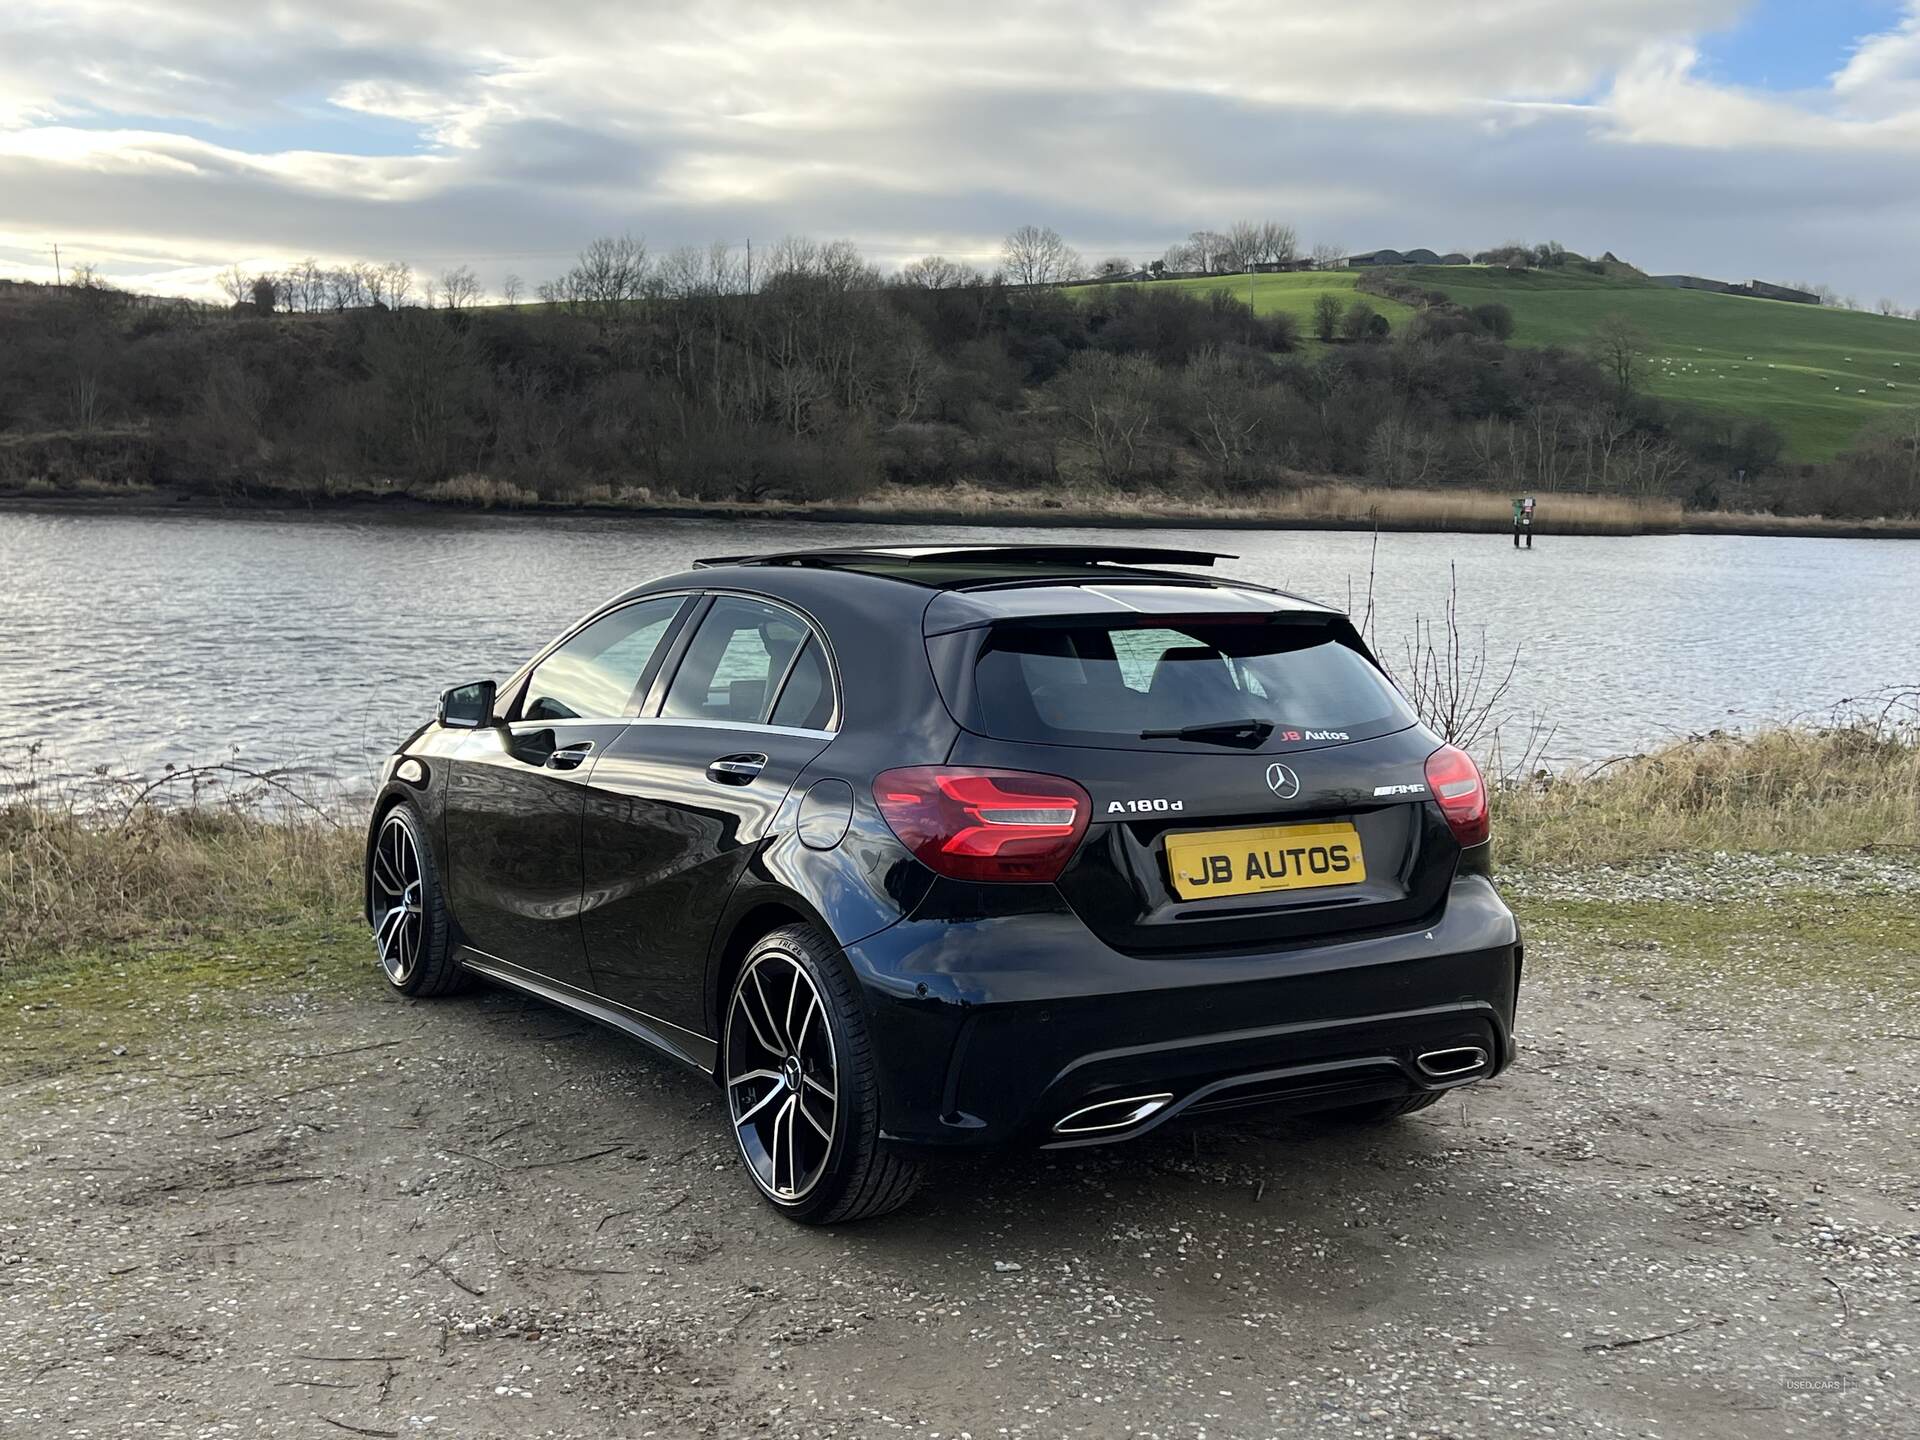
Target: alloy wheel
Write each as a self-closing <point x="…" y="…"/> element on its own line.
<point x="399" y="920"/>
<point x="782" y="1079"/>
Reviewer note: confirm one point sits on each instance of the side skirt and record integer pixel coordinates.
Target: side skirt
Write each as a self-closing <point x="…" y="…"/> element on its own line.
<point x="682" y="1045"/>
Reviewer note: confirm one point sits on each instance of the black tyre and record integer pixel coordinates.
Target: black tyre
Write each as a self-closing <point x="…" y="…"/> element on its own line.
<point x="1376" y="1111"/>
<point x="803" y="1091"/>
<point x="412" y="933"/>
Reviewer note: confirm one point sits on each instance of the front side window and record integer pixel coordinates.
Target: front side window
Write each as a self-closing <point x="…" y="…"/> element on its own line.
<point x="739" y="654"/>
<point x="594" y="675"/>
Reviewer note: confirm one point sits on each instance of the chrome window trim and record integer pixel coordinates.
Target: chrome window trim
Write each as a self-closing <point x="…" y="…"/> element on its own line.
<point x="753" y="725"/>
<point x="516" y="727"/>
<point x="624" y="598"/>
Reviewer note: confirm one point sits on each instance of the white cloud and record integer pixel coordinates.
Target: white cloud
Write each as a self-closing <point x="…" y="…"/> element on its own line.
<point x="191" y="132"/>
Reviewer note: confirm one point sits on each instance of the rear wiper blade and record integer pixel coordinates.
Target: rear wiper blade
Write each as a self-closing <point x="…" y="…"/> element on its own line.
<point x="1217" y="732"/>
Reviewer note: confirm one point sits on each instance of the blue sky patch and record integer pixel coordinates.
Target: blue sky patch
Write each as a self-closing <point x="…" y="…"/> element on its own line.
<point x="295" y="123"/>
<point x="1793" y="44"/>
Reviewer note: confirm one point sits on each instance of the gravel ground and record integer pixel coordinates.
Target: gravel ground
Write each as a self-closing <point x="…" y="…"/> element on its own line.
<point x="1687" y="1212"/>
<point x="1721" y="876"/>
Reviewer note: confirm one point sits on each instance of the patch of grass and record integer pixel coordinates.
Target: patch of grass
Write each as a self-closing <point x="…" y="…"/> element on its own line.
<point x="1810" y="791"/>
<point x="1293" y="295"/>
<point x="66" y="1009"/>
<point x="1785" y="938"/>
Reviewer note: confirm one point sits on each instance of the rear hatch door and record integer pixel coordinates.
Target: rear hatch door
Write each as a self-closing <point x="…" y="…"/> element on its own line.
<point x="1209" y="833"/>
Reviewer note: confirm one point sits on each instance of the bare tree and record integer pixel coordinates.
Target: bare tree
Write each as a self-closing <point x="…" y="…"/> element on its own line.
<point x="937" y="272"/>
<point x="612" y="275"/>
<point x="1113" y="267"/>
<point x="1888" y="306"/>
<point x="1279" y="242"/>
<point x="1225" y="410"/>
<point x="398" y="277"/>
<point x="236" y="284"/>
<point x="511" y="288"/>
<point x="1242" y="249"/>
<point x="307" y="287"/>
<point x="1209" y="249"/>
<point x="1109" y="398"/>
<point x="460" y="288"/>
<point x="1036" y="255"/>
<point x="1327" y="255"/>
<point x="1179" y="258"/>
<point x="1619" y="347"/>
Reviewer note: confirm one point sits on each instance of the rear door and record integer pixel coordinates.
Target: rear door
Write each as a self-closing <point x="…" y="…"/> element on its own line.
<point x="516" y="792"/>
<point x="679" y="802"/>
<point x="1299" y="816"/>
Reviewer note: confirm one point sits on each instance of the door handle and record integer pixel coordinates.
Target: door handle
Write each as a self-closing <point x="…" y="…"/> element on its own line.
<point x="568" y="757"/>
<point x="736" y="769"/>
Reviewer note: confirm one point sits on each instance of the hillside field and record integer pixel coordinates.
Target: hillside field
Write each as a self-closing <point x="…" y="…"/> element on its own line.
<point x="1293" y="294"/>
<point x="1820" y="375"/>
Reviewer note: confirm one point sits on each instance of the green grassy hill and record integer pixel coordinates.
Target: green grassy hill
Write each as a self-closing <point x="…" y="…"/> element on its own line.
<point x="1819" y="375"/>
<point x="1294" y="294"/>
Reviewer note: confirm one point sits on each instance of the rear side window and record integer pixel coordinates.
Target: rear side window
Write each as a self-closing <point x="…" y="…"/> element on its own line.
<point x="1118" y="685"/>
<point x="740" y="652"/>
<point x="806" y="701"/>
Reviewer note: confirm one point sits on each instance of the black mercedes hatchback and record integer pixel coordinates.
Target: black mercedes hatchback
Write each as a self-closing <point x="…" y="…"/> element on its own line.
<point x="918" y="850"/>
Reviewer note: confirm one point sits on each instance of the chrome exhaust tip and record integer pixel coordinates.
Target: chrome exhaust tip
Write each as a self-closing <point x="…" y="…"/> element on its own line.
<point x="1452" y="1064"/>
<point x="1111" y="1114"/>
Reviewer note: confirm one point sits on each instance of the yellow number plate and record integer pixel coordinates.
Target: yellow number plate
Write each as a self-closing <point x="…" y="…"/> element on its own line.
<point x="1205" y="863"/>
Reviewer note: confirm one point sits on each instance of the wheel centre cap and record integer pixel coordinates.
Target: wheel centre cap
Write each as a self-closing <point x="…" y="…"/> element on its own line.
<point x="790" y="1072"/>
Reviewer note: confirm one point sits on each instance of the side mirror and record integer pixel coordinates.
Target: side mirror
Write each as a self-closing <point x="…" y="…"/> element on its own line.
<point x="467" y="707"/>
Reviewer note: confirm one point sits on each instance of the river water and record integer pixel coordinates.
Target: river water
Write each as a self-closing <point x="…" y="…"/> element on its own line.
<point x="134" y="641"/>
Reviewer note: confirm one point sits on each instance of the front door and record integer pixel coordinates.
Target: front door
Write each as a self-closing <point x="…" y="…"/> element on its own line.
<point x="680" y="801"/>
<point x="516" y="792"/>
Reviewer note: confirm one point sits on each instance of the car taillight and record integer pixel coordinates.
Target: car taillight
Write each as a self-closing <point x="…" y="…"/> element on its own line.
<point x="1455" y="782"/>
<point x="969" y="824"/>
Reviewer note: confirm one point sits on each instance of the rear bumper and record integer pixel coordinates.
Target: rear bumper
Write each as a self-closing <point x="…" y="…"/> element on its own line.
<point x="990" y="1031"/>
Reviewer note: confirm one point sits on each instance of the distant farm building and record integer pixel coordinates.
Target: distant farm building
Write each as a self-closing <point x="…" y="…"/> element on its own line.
<point x="1755" y="289"/>
<point x="1372" y="259"/>
<point x="1761" y="290"/>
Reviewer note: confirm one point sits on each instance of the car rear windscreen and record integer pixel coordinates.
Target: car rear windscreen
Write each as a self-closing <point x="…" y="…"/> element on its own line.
<point x="1183" y="683"/>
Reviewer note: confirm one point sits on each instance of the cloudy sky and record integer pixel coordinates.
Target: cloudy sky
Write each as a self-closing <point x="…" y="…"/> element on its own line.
<point x="166" y="139"/>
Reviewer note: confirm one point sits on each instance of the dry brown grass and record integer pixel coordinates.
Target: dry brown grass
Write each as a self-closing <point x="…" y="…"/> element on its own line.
<point x="482" y="490"/>
<point x="69" y="881"/>
<point x="1851" y="787"/>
